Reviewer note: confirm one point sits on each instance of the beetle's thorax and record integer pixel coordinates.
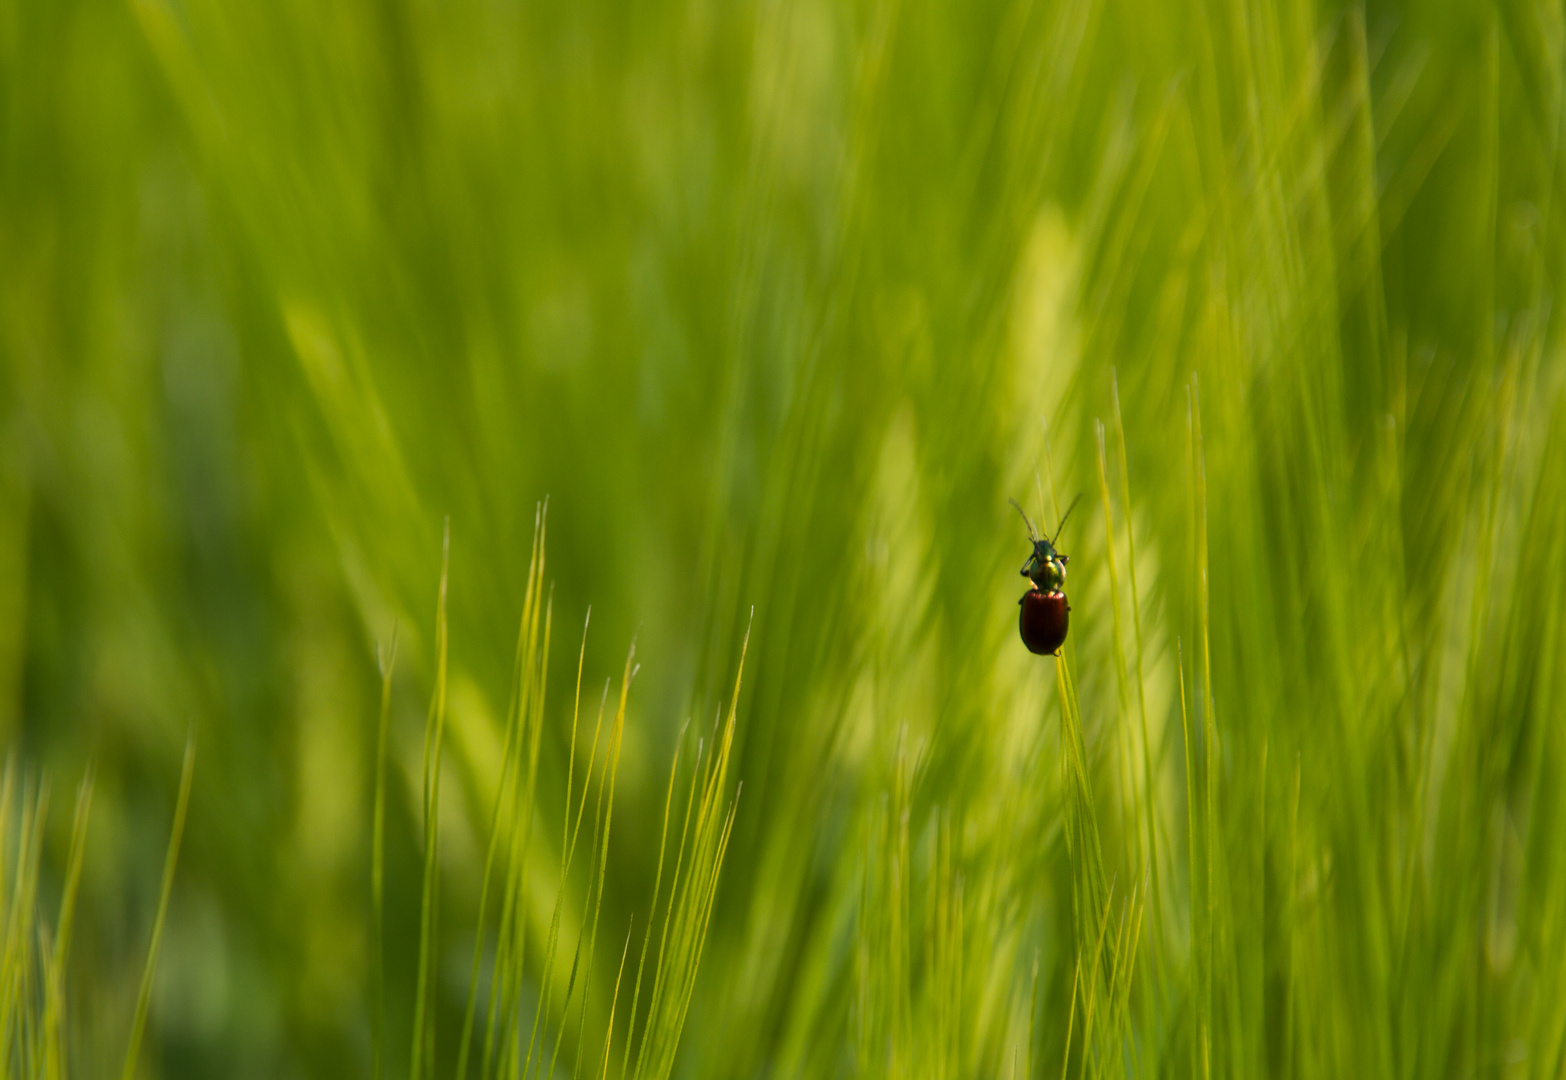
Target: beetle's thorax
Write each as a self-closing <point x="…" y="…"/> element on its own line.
<point x="1047" y="568"/>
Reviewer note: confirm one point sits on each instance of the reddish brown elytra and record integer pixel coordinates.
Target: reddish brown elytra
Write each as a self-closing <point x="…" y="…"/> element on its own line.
<point x="1044" y="621"/>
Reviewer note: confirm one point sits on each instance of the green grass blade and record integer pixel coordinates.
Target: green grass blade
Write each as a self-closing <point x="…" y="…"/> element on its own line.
<point x="422" y="1054"/>
<point x="176" y="834"/>
<point x="388" y="665"/>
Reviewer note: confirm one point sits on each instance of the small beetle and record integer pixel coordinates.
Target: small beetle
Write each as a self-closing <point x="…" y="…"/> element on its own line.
<point x="1044" y="621"/>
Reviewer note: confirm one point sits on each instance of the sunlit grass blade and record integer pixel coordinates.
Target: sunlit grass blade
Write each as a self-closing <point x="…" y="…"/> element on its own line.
<point x="691" y="898"/>
<point x="663" y="845"/>
<point x="388" y="665"/>
<point x="421" y="1058"/>
<point x="54" y="994"/>
<point x="541" y="1017"/>
<point x="592" y="899"/>
<point x="14" y="1004"/>
<point x="614" y="1001"/>
<point x="176" y="834"/>
<point x="510" y="767"/>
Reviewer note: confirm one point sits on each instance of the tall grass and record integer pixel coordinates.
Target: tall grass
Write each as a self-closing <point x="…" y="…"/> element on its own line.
<point x="35" y="1025"/>
<point x="499" y="1033"/>
<point x="783" y="302"/>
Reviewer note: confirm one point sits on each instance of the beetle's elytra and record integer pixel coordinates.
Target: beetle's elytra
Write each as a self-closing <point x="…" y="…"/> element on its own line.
<point x="1043" y="621"/>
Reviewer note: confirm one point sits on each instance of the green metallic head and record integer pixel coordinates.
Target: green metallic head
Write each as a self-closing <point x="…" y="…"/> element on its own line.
<point x="1046" y="567"/>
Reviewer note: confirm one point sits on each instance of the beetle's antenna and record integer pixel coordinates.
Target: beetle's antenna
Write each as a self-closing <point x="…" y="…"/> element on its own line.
<point x="1067" y="514"/>
<point x="1033" y="534"/>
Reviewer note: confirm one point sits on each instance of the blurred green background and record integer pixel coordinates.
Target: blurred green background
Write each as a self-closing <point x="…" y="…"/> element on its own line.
<point x="779" y="303"/>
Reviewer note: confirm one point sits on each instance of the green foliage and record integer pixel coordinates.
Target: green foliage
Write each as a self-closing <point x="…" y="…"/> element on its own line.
<point x="780" y="303"/>
<point x="144" y="995"/>
<point x="686" y="909"/>
<point x="33" y="1040"/>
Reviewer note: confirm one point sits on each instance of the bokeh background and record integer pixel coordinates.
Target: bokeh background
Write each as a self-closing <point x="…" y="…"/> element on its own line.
<point x="779" y="303"/>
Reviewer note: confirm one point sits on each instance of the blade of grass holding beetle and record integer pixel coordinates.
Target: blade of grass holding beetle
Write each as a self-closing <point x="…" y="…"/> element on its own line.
<point x="1084" y="847"/>
<point x="144" y="995"/>
<point x="1084" y="844"/>
<point x="434" y="735"/>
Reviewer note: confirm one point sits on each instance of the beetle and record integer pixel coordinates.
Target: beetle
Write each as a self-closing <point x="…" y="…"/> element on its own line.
<point x="1044" y="618"/>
